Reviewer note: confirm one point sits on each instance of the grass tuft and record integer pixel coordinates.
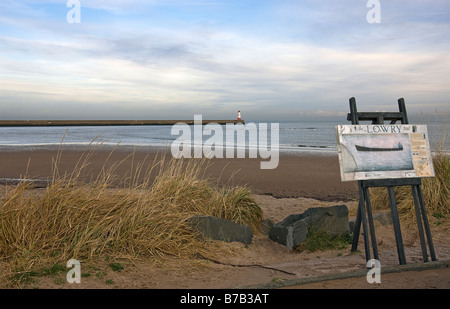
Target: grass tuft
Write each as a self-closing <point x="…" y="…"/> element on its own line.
<point x="145" y="217"/>
<point x="321" y="240"/>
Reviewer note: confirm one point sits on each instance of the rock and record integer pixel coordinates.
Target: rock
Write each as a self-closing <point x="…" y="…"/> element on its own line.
<point x="333" y="219"/>
<point x="379" y="219"/>
<point x="294" y="229"/>
<point x="221" y="229"/>
<point x="289" y="234"/>
<point x="266" y="225"/>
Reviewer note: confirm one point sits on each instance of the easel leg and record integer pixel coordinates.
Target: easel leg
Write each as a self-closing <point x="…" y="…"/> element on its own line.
<point x="371" y="225"/>
<point x="426" y="224"/>
<point x="362" y="209"/>
<point x="364" y="200"/>
<point x="397" y="230"/>
<point x="356" y="229"/>
<point x="419" y="223"/>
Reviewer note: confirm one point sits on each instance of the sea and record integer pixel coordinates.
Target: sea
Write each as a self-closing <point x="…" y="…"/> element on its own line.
<point x="301" y="137"/>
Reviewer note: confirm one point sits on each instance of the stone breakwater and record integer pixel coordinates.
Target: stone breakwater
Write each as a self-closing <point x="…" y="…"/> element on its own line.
<point x="65" y="123"/>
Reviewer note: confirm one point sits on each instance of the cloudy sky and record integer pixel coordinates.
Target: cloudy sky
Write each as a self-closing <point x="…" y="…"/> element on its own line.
<point x="272" y="59"/>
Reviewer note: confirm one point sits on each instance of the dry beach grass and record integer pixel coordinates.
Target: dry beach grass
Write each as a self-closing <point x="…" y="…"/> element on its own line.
<point x="145" y="217"/>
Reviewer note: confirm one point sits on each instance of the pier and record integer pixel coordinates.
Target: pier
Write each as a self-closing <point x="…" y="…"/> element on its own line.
<point x="70" y="123"/>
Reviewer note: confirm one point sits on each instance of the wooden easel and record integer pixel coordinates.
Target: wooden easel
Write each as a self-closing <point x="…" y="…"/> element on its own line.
<point x="364" y="200"/>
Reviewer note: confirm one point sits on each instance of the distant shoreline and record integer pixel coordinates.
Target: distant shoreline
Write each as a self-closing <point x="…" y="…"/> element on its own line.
<point x="51" y="123"/>
<point x="300" y="150"/>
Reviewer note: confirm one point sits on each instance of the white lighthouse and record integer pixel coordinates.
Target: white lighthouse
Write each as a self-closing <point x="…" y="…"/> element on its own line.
<point x="239" y="115"/>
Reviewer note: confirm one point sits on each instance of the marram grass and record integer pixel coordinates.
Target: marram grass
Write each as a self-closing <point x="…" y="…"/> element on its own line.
<point x="145" y="218"/>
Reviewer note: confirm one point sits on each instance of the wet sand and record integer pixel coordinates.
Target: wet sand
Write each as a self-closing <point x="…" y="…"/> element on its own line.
<point x="297" y="175"/>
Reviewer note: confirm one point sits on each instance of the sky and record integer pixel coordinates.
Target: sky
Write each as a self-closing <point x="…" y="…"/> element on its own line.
<point x="273" y="60"/>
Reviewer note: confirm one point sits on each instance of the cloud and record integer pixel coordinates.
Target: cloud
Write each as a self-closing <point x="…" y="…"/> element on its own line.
<point x="131" y="66"/>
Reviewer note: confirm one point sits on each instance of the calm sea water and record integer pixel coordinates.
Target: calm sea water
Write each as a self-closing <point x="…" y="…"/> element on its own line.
<point x="312" y="137"/>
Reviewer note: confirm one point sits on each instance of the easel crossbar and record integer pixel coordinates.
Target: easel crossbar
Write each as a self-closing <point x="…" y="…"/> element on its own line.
<point x="374" y="116"/>
<point x="391" y="182"/>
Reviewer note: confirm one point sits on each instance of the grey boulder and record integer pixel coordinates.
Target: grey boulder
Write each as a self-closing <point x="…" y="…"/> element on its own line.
<point x="294" y="229"/>
<point x="221" y="229"/>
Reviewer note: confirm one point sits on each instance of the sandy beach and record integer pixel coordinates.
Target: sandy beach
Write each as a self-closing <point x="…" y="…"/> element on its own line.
<point x="299" y="182"/>
<point x="299" y="175"/>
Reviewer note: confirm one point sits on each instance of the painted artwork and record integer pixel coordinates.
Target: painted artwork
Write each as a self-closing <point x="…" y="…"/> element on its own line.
<point x="383" y="151"/>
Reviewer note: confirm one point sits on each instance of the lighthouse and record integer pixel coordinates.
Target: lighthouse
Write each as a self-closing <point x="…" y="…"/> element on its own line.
<point x="239" y="115"/>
